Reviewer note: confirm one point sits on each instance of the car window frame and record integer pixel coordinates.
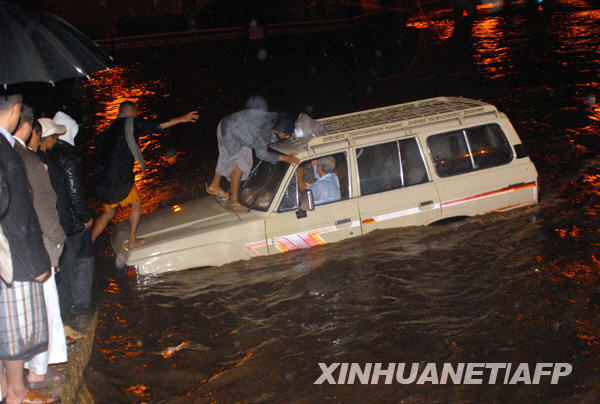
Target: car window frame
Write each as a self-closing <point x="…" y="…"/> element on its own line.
<point x="465" y="135"/>
<point x="345" y="152"/>
<point x="398" y="153"/>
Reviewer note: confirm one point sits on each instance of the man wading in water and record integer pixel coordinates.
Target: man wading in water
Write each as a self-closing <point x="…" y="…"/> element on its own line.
<point x="118" y="147"/>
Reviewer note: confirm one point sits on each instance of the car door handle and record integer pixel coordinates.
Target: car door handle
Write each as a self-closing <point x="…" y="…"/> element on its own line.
<point x="426" y="205"/>
<point x="341" y="222"/>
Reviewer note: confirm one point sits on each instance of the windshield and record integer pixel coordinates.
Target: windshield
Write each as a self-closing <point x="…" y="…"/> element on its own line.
<point x="258" y="190"/>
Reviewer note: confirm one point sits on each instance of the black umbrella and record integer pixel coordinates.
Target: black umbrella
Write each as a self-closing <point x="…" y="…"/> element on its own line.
<point x="36" y="46"/>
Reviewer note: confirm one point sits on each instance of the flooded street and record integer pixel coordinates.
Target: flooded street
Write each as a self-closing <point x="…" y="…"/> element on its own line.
<point x="517" y="287"/>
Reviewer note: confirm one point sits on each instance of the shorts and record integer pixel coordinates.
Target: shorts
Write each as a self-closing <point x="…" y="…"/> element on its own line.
<point x="133" y="196"/>
<point x="227" y="162"/>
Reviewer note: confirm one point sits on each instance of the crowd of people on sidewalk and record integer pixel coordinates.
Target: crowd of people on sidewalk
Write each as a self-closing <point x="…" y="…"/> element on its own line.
<point x="47" y="236"/>
<point x="46" y="252"/>
<point x="47" y="231"/>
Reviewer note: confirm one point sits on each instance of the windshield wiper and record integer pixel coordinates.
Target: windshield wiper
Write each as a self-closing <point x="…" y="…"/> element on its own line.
<point x="252" y="172"/>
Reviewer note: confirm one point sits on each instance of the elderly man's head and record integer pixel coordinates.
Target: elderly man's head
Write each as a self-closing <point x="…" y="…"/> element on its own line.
<point x="23" y="130"/>
<point x="127" y="108"/>
<point x="36" y="136"/>
<point x="326" y="165"/>
<point x="10" y="111"/>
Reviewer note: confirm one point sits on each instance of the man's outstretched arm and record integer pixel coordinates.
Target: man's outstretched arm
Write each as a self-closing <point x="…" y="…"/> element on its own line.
<point x="191" y="116"/>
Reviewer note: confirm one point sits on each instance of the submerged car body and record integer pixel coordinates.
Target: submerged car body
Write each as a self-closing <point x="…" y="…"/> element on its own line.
<point x="403" y="165"/>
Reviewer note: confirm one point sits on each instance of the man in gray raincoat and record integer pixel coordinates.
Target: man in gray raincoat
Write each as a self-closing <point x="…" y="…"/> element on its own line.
<point x="237" y="135"/>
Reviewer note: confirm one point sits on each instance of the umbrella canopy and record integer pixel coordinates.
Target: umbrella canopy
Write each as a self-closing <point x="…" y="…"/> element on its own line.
<point x="36" y="46"/>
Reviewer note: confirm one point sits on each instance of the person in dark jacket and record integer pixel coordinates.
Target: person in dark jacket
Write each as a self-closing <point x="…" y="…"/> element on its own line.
<point x="118" y="150"/>
<point x="23" y="322"/>
<point x="74" y="281"/>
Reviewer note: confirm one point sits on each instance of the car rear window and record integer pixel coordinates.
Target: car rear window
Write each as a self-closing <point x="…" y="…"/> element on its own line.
<point x="469" y="149"/>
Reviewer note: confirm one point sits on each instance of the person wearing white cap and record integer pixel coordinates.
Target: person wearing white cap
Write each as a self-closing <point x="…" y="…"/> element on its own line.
<point x="50" y="132"/>
<point x="74" y="280"/>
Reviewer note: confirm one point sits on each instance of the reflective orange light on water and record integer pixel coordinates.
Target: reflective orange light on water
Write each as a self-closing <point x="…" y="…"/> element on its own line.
<point x="113" y="287"/>
<point x="418" y="24"/>
<point x="573" y="232"/>
<point x="110" y="88"/>
<point x="138" y="390"/>
<point x="586" y="329"/>
<point x="594" y="109"/>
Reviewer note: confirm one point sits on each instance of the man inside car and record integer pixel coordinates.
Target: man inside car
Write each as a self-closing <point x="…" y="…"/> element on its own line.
<point x="326" y="187"/>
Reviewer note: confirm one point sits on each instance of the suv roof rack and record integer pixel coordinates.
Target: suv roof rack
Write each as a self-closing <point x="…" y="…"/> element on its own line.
<point x="344" y="128"/>
<point x="408" y="114"/>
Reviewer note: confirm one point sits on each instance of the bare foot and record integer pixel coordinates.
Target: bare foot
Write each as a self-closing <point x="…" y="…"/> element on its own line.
<point x="136" y="242"/>
<point x="41" y="381"/>
<point x="34" y="378"/>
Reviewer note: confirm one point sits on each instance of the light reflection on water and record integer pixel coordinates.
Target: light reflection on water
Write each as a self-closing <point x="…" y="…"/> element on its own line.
<point x="595" y="111"/>
<point x="490" y="54"/>
<point x="110" y="88"/>
<point x="516" y="287"/>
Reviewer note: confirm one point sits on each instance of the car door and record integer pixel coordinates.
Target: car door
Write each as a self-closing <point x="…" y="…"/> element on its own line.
<point x="289" y="227"/>
<point x="395" y="186"/>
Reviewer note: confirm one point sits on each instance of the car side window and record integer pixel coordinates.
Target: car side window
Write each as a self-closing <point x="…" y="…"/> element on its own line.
<point x="326" y="177"/>
<point x="389" y="166"/>
<point x="469" y="149"/>
<point x="413" y="168"/>
<point x="450" y="154"/>
<point x="489" y="146"/>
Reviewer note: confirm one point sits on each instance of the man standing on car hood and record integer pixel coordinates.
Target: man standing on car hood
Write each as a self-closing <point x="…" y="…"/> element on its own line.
<point x="237" y="135"/>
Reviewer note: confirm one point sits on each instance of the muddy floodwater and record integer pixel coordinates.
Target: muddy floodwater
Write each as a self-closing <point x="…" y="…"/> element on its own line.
<point x="512" y="288"/>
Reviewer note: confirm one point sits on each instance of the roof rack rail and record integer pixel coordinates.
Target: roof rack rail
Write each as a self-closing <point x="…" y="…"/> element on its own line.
<point x="398" y="116"/>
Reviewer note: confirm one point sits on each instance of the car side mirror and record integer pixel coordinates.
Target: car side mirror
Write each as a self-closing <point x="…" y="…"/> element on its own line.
<point x="309" y="200"/>
<point x="307" y="203"/>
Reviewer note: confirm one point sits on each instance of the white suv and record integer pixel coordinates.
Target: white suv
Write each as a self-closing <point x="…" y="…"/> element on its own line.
<point x="403" y="165"/>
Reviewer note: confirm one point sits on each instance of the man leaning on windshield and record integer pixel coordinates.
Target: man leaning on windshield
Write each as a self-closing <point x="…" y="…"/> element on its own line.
<point x="237" y="135"/>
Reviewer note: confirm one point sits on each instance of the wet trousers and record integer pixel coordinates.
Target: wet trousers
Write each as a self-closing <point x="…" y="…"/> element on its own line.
<point x="74" y="280"/>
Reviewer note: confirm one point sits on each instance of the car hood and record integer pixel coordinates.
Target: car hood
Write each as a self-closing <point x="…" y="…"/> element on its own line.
<point x="204" y="213"/>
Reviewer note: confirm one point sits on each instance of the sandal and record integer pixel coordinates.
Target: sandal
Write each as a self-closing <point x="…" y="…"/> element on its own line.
<point x="217" y="194"/>
<point x="32" y="397"/>
<point x="51" y="378"/>
<point x="235" y="206"/>
<point x="70" y="340"/>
